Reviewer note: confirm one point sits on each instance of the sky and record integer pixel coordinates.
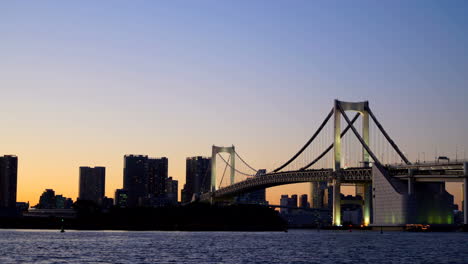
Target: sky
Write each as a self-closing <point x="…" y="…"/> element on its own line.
<point x="84" y="83"/>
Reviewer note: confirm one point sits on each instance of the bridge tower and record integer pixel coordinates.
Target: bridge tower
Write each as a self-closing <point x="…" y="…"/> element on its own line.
<point x="215" y="151"/>
<point x="362" y="108"/>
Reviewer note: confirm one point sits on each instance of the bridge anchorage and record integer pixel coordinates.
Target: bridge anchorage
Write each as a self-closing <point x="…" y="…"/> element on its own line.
<point x="393" y="193"/>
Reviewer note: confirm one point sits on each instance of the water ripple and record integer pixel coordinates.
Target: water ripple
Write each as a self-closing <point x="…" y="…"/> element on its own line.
<point x="296" y="246"/>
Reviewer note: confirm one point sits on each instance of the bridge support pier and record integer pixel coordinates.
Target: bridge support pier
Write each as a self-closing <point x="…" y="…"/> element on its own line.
<point x="336" y="201"/>
<point x="410" y="181"/>
<point x="366" y="210"/>
<point x="465" y="193"/>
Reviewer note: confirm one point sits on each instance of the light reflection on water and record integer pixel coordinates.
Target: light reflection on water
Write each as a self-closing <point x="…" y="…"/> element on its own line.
<point x="295" y="246"/>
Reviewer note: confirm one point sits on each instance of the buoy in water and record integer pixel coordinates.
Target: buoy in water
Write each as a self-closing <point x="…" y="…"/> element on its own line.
<point x="63" y="229"/>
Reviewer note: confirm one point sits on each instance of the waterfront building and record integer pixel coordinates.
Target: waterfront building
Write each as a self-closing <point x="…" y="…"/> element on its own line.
<point x="157" y="170"/>
<point x="284" y="202"/>
<point x="121" y="197"/>
<point x="293" y="201"/>
<point x="351" y="210"/>
<point x="303" y="202"/>
<point x="47" y="200"/>
<point x="60" y="201"/>
<point x="321" y="195"/>
<point x="8" y="181"/>
<point x="92" y="184"/>
<point x="22" y="207"/>
<point x="197" y="177"/>
<point x="172" y="190"/>
<point x="255" y="197"/>
<point x="145" y="180"/>
<point x="107" y="202"/>
<point x="288" y="202"/>
<point x="135" y="179"/>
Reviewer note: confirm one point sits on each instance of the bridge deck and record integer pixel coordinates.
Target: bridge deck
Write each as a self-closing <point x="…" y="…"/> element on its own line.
<point x="422" y="172"/>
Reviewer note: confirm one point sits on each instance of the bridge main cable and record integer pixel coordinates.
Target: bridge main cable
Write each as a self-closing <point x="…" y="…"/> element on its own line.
<point x="331" y="145"/>
<point x="238" y="171"/>
<point x="356" y="133"/>
<point x="250" y="167"/>
<point x="224" y="172"/>
<point x="395" y="147"/>
<point x="308" y="142"/>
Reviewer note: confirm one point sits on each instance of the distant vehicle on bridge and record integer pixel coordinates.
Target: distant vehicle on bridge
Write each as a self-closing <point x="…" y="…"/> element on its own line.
<point x="443" y="158"/>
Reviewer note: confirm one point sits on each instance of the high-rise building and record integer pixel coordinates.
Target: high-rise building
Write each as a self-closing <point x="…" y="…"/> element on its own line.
<point x="288" y="204"/>
<point x="8" y="181"/>
<point x="320" y="195"/>
<point x="121" y="197"/>
<point x="284" y="202"/>
<point x="172" y="190"/>
<point x="135" y="179"/>
<point x="197" y="177"/>
<point x="293" y="202"/>
<point x="157" y="170"/>
<point x="145" y="179"/>
<point x="303" y="203"/>
<point x="92" y="184"/>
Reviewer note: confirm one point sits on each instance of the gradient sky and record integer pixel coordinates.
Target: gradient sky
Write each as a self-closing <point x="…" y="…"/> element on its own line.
<point x="83" y="83"/>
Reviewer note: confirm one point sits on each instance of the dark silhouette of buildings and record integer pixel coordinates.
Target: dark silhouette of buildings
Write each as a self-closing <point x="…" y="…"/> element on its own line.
<point x="145" y="180"/>
<point x="172" y="190"/>
<point x="302" y="216"/>
<point x="92" y="184"/>
<point x="107" y="202"/>
<point x="288" y="202"/>
<point x="303" y="203"/>
<point x="49" y="200"/>
<point x="121" y="198"/>
<point x="135" y="180"/>
<point x="255" y="197"/>
<point x="197" y="177"/>
<point x="62" y="202"/>
<point x="321" y="195"/>
<point x="22" y="206"/>
<point x="293" y="201"/>
<point x="351" y="210"/>
<point x="8" y="181"/>
<point x="157" y="170"/>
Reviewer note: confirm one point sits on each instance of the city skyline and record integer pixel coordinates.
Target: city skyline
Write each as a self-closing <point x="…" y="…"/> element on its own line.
<point x="89" y="91"/>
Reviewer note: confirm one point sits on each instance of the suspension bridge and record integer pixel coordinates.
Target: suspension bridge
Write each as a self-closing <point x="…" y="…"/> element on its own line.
<point x="394" y="191"/>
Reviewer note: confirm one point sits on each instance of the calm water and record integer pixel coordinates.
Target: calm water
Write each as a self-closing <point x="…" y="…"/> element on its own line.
<point x="296" y="246"/>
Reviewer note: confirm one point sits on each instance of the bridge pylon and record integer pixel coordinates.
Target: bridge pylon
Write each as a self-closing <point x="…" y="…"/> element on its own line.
<point x="362" y="108"/>
<point x="215" y="151"/>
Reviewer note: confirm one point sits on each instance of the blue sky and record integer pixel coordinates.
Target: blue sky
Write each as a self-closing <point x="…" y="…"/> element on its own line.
<point x="97" y="80"/>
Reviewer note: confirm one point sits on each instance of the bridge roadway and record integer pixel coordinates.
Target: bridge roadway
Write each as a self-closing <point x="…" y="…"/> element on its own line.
<point x="421" y="172"/>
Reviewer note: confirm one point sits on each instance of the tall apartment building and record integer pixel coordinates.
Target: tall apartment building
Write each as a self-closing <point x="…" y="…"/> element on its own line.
<point x="197" y="177"/>
<point x="8" y="181"/>
<point x="172" y="190"/>
<point x="92" y="184"/>
<point x="144" y="179"/>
